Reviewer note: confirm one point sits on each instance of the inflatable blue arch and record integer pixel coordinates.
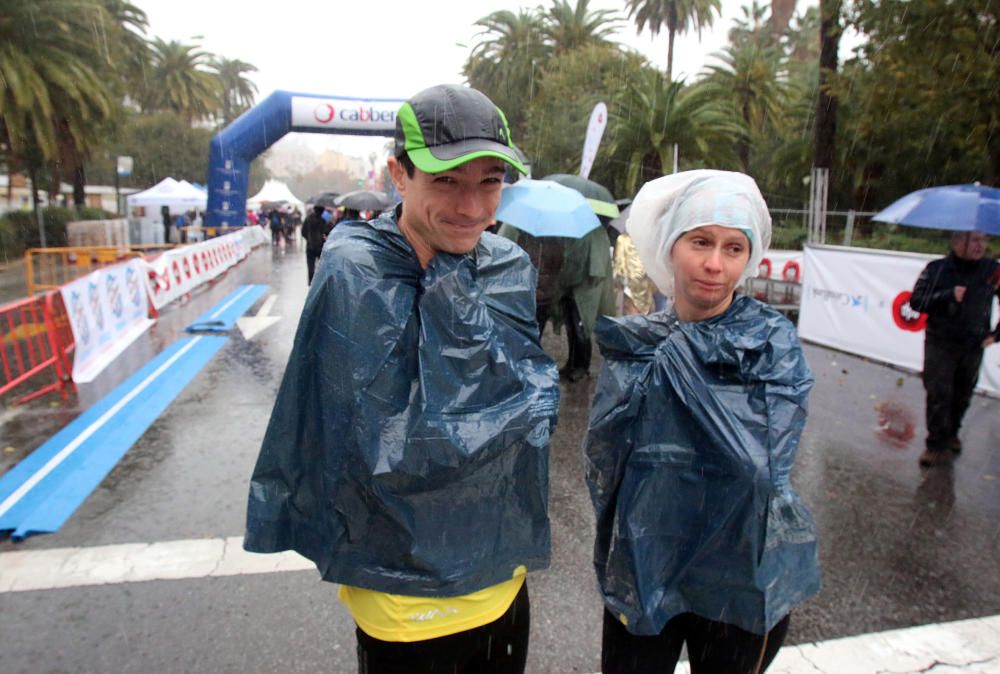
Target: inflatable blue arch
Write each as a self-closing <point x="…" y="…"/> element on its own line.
<point x="232" y="150"/>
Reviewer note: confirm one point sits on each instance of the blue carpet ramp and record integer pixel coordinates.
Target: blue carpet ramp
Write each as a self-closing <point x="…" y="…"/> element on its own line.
<point x="39" y="494"/>
<point x="222" y="317"/>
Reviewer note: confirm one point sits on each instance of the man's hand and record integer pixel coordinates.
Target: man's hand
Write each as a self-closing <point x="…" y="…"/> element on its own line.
<point x="989" y="340"/>
<point x="959" y="293"/>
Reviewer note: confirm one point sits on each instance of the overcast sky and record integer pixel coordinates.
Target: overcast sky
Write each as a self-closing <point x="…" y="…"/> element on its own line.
<point x="377" y="49"/>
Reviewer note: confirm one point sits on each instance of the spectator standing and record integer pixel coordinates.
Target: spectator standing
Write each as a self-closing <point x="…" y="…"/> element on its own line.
<point x="314" y="231"/>
<point x="956" y="292"/>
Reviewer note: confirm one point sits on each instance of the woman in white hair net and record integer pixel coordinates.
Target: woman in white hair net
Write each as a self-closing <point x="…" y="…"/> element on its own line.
<point x="694" y="428"/>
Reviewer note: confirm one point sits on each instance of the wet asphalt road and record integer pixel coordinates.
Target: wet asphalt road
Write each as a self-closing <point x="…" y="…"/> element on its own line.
<point x="900" y="546"/>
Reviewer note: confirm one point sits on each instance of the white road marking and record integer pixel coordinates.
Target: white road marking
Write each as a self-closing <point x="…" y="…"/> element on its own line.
<point x="250" y="326"/>
<point x="960" y="647"/>
<point x="969" y="646"/>
<point x="31" y="570"/>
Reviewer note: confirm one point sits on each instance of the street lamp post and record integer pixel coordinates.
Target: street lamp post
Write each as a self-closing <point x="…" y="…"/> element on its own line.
<point x="123" y="169"/>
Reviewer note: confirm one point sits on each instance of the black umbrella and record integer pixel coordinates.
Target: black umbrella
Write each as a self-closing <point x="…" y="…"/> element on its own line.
<point x="364" y="200"/>
<point x="326" y="199"/>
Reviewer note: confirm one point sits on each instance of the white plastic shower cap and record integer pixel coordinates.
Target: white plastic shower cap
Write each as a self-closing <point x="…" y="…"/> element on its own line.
<point x="668" y="207"/>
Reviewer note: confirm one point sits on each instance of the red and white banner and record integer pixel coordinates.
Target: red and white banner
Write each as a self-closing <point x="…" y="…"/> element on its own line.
<point x="856" y="300"/>
<point x="107" y="310"/>
<point x="178" y="271"/>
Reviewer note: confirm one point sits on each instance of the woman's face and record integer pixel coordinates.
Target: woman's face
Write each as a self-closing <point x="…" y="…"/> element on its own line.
<point x="707" y="265"/>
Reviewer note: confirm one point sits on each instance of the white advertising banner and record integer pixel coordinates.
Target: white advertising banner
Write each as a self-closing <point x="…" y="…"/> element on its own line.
<point x="782" y="265"/>
<point x="178" y="271"/>
<point x="857" y="300"/>
<point x="344" y="114"/>
<point x="107" y="310"/>
<point x="595" y="130"/>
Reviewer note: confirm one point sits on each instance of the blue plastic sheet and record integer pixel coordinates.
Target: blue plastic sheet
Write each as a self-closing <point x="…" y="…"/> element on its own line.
<point x="408" y="448"/>
<point x="693" y="433"/>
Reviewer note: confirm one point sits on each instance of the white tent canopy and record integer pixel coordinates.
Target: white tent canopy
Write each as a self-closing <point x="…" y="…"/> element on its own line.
<point x="177" y="195"/>
<point x="272" y="191"/>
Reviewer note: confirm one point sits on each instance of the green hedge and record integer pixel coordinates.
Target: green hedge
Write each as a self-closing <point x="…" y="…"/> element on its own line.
<point x="19" y="229"/>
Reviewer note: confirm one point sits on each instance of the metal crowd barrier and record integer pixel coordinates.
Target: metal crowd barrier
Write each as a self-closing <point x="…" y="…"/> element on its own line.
<point x="785" y="296"/>
<point x="36" y="341"/>
<point x="51" y="268"/>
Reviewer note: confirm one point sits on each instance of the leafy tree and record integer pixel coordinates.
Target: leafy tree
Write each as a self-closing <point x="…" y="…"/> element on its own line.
<point x="236" y="93"/>
<point x="925" y="93"/>
<point x="508" y="61"/>
<point x="161" y="144"/>
<point x="571" y="85"/>
<point x="678" y="16"/>
<point x="179" y="81"/>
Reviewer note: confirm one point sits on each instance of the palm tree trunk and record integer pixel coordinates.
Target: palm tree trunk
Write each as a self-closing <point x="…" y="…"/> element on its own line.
<point x="670" y="55"/>
<point x="781" y="14"/>
<point x="79" y="183"/>
<point x="826" y="104"/>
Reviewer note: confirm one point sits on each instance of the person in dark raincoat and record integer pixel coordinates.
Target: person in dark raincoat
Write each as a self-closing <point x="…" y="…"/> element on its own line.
<point x="315" y="229"/>
<point x="956" y="292"/>
<point x="694" y="427"/>
<point x="407" y="453"/>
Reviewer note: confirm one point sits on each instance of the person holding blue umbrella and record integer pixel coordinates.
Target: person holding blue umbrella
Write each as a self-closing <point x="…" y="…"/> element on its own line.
<point x="956" y="292"/>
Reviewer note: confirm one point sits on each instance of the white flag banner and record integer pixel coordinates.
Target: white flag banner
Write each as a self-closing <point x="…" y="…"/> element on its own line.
<point x="108" y="309"/>
<point x="857" y="300"/>
<point x="595" y="130"/>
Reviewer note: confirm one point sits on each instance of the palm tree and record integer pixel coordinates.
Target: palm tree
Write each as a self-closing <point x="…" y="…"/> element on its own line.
<point x="567" y="27"/>
<point x="179" y="82"/>
<point x="751" y="78"/>
<point x="237" y="92"/>
<point x="677" y="15"/>
<point x="129" y="51"/>
<point x="57" y="80"/>
<point x="506" y="62"/>
<point x="653" y="114"/>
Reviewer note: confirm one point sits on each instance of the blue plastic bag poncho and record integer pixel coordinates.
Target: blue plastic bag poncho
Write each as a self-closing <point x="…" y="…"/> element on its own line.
<point x="693" y="432"/>
<point x="408" y="447"/>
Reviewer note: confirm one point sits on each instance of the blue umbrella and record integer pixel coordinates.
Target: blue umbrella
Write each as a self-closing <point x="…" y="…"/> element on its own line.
<point x="957" y="208"/>
<point x="546" y="208"/>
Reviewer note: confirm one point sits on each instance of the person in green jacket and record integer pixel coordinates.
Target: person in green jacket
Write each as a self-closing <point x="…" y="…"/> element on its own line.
<point x="587" y="291"/>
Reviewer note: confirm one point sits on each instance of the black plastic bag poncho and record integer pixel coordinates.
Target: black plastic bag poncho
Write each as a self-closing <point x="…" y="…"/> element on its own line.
<point x="408" y="447"/>
<point x="693" y="433"/>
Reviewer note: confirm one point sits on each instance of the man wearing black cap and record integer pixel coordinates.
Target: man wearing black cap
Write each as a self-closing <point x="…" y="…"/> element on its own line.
<point x="407" y="453"/>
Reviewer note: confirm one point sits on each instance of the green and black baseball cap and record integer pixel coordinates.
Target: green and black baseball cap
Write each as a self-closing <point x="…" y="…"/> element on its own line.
<point x="445" y="126"/>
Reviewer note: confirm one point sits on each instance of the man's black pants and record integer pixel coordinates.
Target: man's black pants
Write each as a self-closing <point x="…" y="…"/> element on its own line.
<point x="499" y="647"/>
<point x="950" y="375"/>
<point x="578" y="341"/>
<point x="713" y="647"/>
<point x="311" y="257"/>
